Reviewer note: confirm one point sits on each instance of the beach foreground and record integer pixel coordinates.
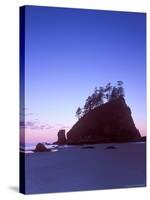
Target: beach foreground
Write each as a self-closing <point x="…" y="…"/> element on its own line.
<point x="86" y="167"/>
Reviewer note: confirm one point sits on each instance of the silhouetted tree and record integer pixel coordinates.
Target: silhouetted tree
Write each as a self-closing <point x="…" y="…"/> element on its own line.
<point x="114" y="94"/>
<point x="100" y="96"/>
<point x="108" y="90"/>
<point x="120" y="88"/>
<point x="88" y="105"/>
<point x="96" y="90"/>
<point x="96" y="99"/>
<point x="93" y="101"/>
<point x="78" y="113"/>
<point x="119" y="83"/>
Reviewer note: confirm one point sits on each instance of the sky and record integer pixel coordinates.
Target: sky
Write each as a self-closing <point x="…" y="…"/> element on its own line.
<point x="68" y="52"/>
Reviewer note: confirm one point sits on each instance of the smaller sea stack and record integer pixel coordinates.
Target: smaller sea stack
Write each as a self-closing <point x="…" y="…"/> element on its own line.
<point x="40" y="148"/>
<point x="61" y="137"/>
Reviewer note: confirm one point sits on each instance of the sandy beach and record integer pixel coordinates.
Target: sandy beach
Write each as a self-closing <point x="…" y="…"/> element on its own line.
<point x="86" y="167"/>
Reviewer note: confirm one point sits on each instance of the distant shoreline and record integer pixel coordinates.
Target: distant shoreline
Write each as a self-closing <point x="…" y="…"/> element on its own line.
<point x="31" y="150"/>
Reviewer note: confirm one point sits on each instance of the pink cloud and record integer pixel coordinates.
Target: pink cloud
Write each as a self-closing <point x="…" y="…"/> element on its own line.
<point x="36" y="125"/>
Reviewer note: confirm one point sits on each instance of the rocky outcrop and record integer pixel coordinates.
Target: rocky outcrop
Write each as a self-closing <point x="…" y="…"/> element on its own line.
<point x="142" y="139"/>
<point x="40" y="148"/>
<point x="110" y="122"/>
<point x="61" y="137"/>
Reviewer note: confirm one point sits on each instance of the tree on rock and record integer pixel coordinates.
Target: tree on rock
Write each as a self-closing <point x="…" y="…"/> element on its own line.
<point x="120" y="88"/>
<point x="96" y="99"/>
<point x="108" y="90"/>
<point x="114" y="94"/>
<point x="78" y="113"/>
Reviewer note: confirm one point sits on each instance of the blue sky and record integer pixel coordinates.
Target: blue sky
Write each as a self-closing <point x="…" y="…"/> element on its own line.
<point x="68" y="52"/>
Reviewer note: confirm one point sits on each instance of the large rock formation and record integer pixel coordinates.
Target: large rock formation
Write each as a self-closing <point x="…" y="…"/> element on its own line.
<point x="61" y="137"/>
<point x="111" y="122"/>
<point x="40" y="148"/>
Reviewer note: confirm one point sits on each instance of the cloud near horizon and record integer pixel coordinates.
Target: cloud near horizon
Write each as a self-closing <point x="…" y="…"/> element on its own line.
<point x="36" y="125"/>
<point x="33" y="131"/>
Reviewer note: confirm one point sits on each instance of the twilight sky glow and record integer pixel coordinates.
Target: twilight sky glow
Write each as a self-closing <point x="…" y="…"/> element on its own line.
<point x="68" y="52"/>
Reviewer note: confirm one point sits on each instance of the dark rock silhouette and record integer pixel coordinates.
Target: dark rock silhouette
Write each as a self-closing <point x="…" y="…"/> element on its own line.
<point x="143" y="139"/>
<point x="61" y="137"/>
<point x="111" y="147"/>
<point x="41" y="148"/>
<point x="88" y="147"/>
<point x="46" y="143"/>
<point x="110" y="122"/>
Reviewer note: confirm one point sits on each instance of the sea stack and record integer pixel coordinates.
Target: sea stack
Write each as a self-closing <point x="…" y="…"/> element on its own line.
<point x="110" y="122"/>
<point x="61" y="137"/>
<point x="40" y="148"/>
